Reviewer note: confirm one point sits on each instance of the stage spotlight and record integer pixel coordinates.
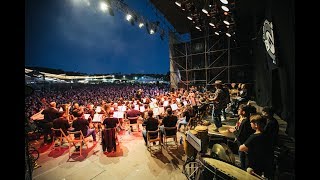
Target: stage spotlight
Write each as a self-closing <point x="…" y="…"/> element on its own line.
<point x="129" y="17"/>
<point x="204" y="9"/>
<point x="183" y="7"/>
<point x="190" y="18"/>
<point x="217" y="33"/>
<point x="106" y="6"/>
<point x="212" y="22"/>
<point x="225" y="8"/>
<point x="141" y="25"/>
<point x="227" y="21"/>
<point x="228" y="34"/>
<point x="224" y="1"/>
<point x="178" y="3"/>
<point x="150" y="28"/>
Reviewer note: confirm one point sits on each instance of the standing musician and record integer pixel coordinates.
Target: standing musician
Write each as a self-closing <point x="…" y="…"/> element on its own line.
<point x="243" y="130"/>
<point x="109" y="133"/>
<point x="259" y="148"/>
<point x="218" y="104"/>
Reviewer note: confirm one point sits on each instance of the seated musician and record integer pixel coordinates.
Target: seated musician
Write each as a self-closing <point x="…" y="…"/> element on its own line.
<point x="259" y="148"/>
<point x="169" y="120"/>
<point x="186" y="115"/>
<point x="81" y="124"/>
<point x="134" y="116"/>
<point x="61" y="122"/>
<point x="151" y="124"/>
<point x="50" y="113"/>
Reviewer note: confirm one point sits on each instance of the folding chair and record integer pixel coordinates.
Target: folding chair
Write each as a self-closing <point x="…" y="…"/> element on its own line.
<point x="73" y="140"/>
<point x="60" y="137"/>
<point x="153" y="136"/>
<point x="170" y="132"/>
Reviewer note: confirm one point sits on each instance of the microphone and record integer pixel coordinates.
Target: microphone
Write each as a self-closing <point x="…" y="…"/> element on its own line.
<point x="250" y="171"/>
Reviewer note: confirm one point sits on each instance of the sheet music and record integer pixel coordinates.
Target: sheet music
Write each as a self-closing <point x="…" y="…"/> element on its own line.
<point x="155" y="111"/>
<point x="122" y="108"/>
<point x="86" y="116"/>
<point x="142" y="109"/>
<point x="151" y="105"/>
<point x="97" y="118"/>
<point x="98" y="109"/>
<point x="161" y="110"/>
<point x="174" y="107"/>
<point x="165" y="103"/>
<point x="118" y="114"/>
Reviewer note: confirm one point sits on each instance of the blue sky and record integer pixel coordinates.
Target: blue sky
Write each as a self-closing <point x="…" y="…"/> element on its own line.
<point x="72" y="36"/>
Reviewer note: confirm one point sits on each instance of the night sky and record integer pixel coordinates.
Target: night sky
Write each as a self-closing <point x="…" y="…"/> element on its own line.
<point x="72" y="36"/>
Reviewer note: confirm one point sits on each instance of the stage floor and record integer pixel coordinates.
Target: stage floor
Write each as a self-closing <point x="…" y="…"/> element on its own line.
<point x="132" y="160"/>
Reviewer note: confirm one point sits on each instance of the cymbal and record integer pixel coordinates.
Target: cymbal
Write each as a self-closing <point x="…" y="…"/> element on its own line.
<point x="224" y="128"/>
<point x="206" y="123"/>
<point x="225" y="131"/>
<point x="223" y="152"/>
<point x="229" y="153"/>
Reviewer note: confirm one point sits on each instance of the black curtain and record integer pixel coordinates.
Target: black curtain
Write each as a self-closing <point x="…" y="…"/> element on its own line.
<point x="275" y="83"/>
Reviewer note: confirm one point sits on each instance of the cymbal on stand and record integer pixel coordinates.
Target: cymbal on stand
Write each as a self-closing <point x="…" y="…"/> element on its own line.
<point x="223" y="152"/>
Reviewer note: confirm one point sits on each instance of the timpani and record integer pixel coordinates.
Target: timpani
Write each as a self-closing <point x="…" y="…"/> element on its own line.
<point x="221" y="170"/>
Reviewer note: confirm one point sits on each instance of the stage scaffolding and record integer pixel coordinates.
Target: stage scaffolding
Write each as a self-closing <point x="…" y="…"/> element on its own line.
<point x="204" y="59"/>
